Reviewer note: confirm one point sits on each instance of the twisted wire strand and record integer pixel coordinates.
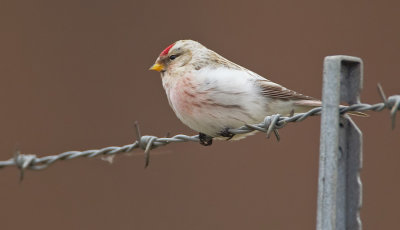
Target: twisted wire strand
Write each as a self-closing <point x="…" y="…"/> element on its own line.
<point x="270" y="123"/>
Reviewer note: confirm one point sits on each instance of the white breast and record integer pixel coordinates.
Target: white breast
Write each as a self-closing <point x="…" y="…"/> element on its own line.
<point x="209" y="101"/>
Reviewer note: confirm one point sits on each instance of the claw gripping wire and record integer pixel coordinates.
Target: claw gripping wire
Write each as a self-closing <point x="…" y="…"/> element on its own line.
<point x="270" y="124"/>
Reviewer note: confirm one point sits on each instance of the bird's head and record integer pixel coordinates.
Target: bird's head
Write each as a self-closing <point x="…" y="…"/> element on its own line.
<point x="176" y="55"/>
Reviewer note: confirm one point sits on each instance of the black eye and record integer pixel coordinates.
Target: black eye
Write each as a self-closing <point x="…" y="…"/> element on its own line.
<point x="172" y="57"/>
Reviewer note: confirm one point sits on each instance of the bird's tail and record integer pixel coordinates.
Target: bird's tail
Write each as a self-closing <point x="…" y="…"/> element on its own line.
<point x="302" y="106"/>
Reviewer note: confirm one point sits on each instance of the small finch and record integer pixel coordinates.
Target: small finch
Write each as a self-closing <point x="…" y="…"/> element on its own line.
<point x="211" y="94"/>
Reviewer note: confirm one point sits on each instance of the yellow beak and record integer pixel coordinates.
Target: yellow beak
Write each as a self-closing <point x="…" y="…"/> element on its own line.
<point x="157" y="67"/>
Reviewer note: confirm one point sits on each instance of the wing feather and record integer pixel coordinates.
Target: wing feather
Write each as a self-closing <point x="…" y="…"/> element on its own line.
<point x="273" y="90"/>
<point x="268" y="88"/>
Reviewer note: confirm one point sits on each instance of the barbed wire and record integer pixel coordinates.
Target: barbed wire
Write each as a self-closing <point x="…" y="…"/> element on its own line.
<point x="270" y="124"/>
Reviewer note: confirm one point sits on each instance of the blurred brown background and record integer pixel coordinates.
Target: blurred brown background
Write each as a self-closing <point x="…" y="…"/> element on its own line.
<point x="74" y="77"/>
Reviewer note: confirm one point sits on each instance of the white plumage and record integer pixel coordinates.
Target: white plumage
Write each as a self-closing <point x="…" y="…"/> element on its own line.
<point x="210" y="94"/>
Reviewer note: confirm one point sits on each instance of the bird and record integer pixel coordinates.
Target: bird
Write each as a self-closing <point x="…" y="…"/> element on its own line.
<point x="212" y="95"/>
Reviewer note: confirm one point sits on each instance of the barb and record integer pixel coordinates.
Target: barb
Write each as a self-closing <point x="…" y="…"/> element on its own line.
<point x="147" y="143"/>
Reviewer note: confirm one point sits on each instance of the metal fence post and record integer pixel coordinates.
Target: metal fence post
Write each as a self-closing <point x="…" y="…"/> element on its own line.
<point x="339" y="184"/>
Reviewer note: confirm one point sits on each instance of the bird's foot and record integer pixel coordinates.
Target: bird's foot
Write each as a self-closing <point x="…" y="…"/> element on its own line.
<point x="226" y="133"/>
<point x="205" y="139"/>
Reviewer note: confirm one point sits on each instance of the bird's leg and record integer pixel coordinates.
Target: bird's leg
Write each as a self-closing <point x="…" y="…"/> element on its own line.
<point x="226" y="133"/>
<point x="205" y="139"/>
